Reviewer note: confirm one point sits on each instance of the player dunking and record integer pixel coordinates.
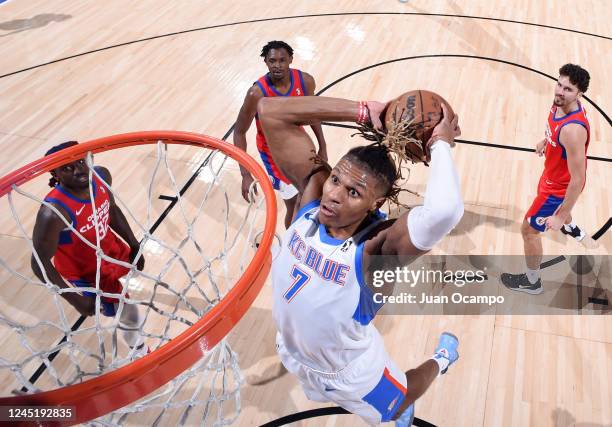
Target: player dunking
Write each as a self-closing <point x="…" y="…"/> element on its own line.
<point x="73" y="260"/>
<point x="565" y="146"/>
<point x="323" y="300"/>
<point x="279" y="81"/>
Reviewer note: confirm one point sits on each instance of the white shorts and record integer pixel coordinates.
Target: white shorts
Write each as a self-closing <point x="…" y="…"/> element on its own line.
<point x="371" y="386"/>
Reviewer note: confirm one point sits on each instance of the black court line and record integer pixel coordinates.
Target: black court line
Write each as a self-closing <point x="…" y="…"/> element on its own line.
<point x="53" y="355"/>
<point x="323" y="412"/>
<point x="603" y="229"/>
<point x="482" y="144"/>
<point x="253" y="21"/>
<point x="450" y="55"/>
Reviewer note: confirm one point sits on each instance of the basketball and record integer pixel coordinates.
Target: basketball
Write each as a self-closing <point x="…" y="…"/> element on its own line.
<point x="420" y="107"/>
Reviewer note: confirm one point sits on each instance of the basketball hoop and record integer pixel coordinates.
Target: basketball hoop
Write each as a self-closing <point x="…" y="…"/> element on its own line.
<point x="191" y="351"/>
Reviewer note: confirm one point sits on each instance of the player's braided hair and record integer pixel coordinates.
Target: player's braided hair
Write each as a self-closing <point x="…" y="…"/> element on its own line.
<point x="402" y="148"/>
<point x="378" y="159"/>
<point x="53" y="181"/>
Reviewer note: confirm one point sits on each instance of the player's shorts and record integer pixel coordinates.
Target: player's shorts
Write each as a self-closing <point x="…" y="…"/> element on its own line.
<point x="285" y="190"/>
<point x="107" y="305"/>
<point x="110" y="273"/>
<point x="371" y="386"/>
<point x="543" y="206"/>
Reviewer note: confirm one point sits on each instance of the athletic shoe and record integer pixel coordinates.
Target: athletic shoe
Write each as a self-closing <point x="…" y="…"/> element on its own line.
<point x="575" y="232"/>
<point x="447" y="349"/>
<point x="520" y="282"/>
<point x="140" y="351"/>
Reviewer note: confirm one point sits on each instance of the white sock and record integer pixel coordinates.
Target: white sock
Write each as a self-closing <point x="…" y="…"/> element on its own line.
<point x="568" y="227"/>
<point x="132" y="320"/>
<point x="533" y="275"/>
<point x="442" y="361"/>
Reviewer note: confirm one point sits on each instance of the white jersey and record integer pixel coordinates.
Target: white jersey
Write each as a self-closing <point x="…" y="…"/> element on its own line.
<point x="322" y="305"/>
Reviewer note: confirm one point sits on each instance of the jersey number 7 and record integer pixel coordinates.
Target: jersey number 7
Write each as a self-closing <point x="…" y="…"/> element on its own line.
<point x="300" y="279"/>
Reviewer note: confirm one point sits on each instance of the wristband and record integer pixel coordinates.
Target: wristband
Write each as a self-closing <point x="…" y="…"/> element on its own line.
<point x="363" y="114"/>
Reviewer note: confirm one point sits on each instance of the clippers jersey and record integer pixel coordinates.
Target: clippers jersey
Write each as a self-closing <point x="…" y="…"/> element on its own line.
<point x="556" y="175"/>
<point x="74" y="260"/>
<point x="322" y="305"/>
<point x="297" y="88"/>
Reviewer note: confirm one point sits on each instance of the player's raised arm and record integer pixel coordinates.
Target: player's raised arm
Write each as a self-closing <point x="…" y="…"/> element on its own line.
<point x="418" y="230"/>
<point x="290" y="145"/>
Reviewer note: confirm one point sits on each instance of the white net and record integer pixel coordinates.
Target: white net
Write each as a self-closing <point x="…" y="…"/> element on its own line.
<point x="196" y="244"/>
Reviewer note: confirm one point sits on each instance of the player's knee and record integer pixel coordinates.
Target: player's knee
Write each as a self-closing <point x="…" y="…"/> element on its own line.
<point x="528" y="231"/>
<point x="264" y="109"/>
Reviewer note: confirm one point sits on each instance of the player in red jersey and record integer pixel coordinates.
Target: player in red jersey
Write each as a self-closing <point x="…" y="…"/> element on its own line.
<point x="73" y="260"/>
<point x="565" y="145"/>
<point x="279" y="81"/>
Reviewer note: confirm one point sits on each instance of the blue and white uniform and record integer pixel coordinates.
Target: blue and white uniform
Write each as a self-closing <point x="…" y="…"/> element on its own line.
<point x="323" y="311"/>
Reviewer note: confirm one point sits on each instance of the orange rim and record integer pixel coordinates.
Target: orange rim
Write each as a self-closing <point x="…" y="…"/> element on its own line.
<point x="113" y="390"/>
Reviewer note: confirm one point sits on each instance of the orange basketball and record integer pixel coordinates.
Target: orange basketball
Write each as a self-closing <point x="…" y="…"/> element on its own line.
<point x="421" y="107"/>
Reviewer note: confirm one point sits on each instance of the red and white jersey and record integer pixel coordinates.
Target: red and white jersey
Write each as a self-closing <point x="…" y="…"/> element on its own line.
<point x="74" y="260"/>
<point x="556" y="175"/>
<point x="296" y="88"/>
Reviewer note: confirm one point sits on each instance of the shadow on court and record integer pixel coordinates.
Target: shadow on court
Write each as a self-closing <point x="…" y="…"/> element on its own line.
<point x="38" y="21"/>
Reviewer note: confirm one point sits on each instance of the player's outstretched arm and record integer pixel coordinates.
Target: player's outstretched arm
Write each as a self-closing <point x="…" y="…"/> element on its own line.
<point x="46" y="238"/>
<point x="418" y="230"/>
<point x="242" y="125"/>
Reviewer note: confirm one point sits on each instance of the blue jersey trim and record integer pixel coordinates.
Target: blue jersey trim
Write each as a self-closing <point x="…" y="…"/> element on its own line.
<point x="326" y="238"/>
<point x="366" y="307"/>
<point x="581" y="123"/>
<point x="263" y="91"/>
<point x="73" y="197"/>
<point x="99" y="170"/>
<point x="568" y="114"/>
<point x="307" y="207"/>
<point x="266" y="161"/>
<point x="271" y="86"/>
<point x="65" y="207"/>
<point x="302" y="82"/>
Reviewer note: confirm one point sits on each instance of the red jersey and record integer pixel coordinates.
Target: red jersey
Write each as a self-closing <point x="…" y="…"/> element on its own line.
<point x="74" y="260"/>
<point x="297" y="88"/>
<point x="556" y="175"/>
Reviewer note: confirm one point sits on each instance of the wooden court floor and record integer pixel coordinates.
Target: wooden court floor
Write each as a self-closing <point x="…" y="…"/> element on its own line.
<point x="82" y="70"/>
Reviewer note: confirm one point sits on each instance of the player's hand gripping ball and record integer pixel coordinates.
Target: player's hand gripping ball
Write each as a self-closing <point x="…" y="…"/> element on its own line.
<point x="411" y="118"/>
